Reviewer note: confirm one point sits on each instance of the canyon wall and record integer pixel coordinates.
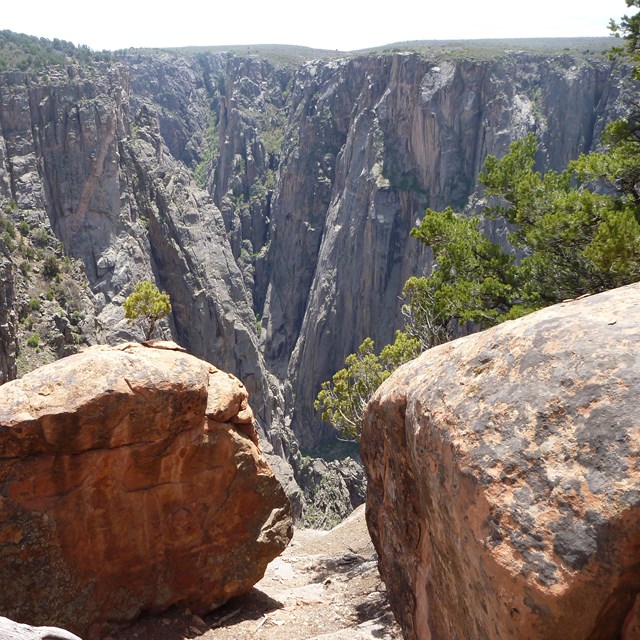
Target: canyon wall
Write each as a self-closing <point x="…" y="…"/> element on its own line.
<point x="273" y="201"/>
<point x="368" y="143"/>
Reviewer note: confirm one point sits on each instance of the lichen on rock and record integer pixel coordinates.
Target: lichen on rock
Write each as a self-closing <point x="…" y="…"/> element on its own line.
<point x="119" y="494"/>
<point x="504" y="484"/>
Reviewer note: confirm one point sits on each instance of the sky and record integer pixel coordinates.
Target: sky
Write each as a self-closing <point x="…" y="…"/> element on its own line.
<point x="345" y="25"/>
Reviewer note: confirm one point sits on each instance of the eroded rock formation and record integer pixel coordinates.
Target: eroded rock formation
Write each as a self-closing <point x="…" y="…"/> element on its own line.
<point x="504" y="478"/>
<point x="131" y="481"/>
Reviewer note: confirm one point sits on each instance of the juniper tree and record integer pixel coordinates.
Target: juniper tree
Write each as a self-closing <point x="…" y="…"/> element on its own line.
<point x="146" y="304"/>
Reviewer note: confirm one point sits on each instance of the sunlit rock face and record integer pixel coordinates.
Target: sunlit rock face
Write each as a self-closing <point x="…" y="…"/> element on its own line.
<point x="504" y="478"/>
<point x="131" y="481"/>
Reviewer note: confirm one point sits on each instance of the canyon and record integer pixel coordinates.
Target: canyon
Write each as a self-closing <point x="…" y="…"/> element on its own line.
<point x="271" y="197"/>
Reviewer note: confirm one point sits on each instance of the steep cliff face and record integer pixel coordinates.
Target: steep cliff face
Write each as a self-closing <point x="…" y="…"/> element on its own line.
<point x="416" y="135"/>
<point x="8" y="323"/>
<point x="273" y="202"/>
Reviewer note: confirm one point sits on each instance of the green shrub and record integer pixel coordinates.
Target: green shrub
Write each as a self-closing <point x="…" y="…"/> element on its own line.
<point x="148" y="305"/>
<point x="8" y="241"/>
<point x="41" y="237"/>
<point x="24" y="228"/>
<point x="35" y="304"/>
<point x="11" y="206"/>
<point x="51" y="267"/>
<point x="34" y="340"/>
<point x="28" y="252"/>
<point x="8" y="227"/>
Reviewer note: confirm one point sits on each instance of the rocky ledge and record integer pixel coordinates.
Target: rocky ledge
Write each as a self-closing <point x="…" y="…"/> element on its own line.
<point x="131" y="481"/>
<point x="504" y="478"/>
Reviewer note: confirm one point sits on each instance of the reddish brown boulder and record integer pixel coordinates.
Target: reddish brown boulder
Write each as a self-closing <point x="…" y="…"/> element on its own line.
<point x="504" y="478"/>
<point x="130" y="481"/>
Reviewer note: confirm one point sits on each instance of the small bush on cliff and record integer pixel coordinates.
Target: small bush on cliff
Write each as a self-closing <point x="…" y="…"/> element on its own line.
<point x="343" y="399"/>
<point x="50" y="267"/>
<point x="41" y="238"/>
<point x="34" y="340"/>
<point x="147" y="304"/>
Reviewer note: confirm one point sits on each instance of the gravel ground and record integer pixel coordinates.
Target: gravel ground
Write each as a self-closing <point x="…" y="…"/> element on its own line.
<point x="324" y="586"/>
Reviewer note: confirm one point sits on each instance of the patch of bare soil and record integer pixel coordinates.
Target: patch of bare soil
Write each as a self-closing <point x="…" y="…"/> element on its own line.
<point x="324" y="586"/>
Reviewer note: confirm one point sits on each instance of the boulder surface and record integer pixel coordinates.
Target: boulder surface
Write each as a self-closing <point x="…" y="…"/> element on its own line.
<point x="131" y="481"/>
<point x="504" y="478"/>
<point x="10" y="630"/>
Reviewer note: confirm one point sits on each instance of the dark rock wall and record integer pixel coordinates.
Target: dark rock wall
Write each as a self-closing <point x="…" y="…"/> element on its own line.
<point x="8" y="320"/>
<point x="416" y="136"/>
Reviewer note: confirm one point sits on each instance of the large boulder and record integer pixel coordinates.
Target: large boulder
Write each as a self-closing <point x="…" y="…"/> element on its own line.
<point x="131" y="481"/>
<point x="504" y="478"/>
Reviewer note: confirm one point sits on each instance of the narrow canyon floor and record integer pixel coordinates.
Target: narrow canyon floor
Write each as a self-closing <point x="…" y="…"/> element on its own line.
<point x="324" y="586"/>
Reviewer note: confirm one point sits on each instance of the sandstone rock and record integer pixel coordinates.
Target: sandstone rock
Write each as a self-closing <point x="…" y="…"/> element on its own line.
<point x="118" y="494"/>
<point x="504" y="478"/>
<point x="10" y="630"/>
<point x="227" y="398"/>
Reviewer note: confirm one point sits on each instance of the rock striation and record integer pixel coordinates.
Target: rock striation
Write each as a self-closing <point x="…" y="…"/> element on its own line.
<point x="131" y="481"/>
<point x="504" y="478"/>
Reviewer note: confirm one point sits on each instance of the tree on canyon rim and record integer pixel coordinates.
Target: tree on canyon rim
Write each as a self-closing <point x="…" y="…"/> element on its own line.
<point x="147" y="304"/>
<point x="577" y="232"/>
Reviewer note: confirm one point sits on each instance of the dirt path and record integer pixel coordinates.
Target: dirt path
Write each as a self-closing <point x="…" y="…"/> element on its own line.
<point x="324" y="586"/>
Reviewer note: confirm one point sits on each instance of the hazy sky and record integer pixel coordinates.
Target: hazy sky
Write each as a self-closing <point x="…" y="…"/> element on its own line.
<point x="329" y="24"/>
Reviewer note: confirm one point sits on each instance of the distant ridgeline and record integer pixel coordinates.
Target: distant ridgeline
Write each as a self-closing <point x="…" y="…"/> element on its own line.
<point x="25" y="53"/>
